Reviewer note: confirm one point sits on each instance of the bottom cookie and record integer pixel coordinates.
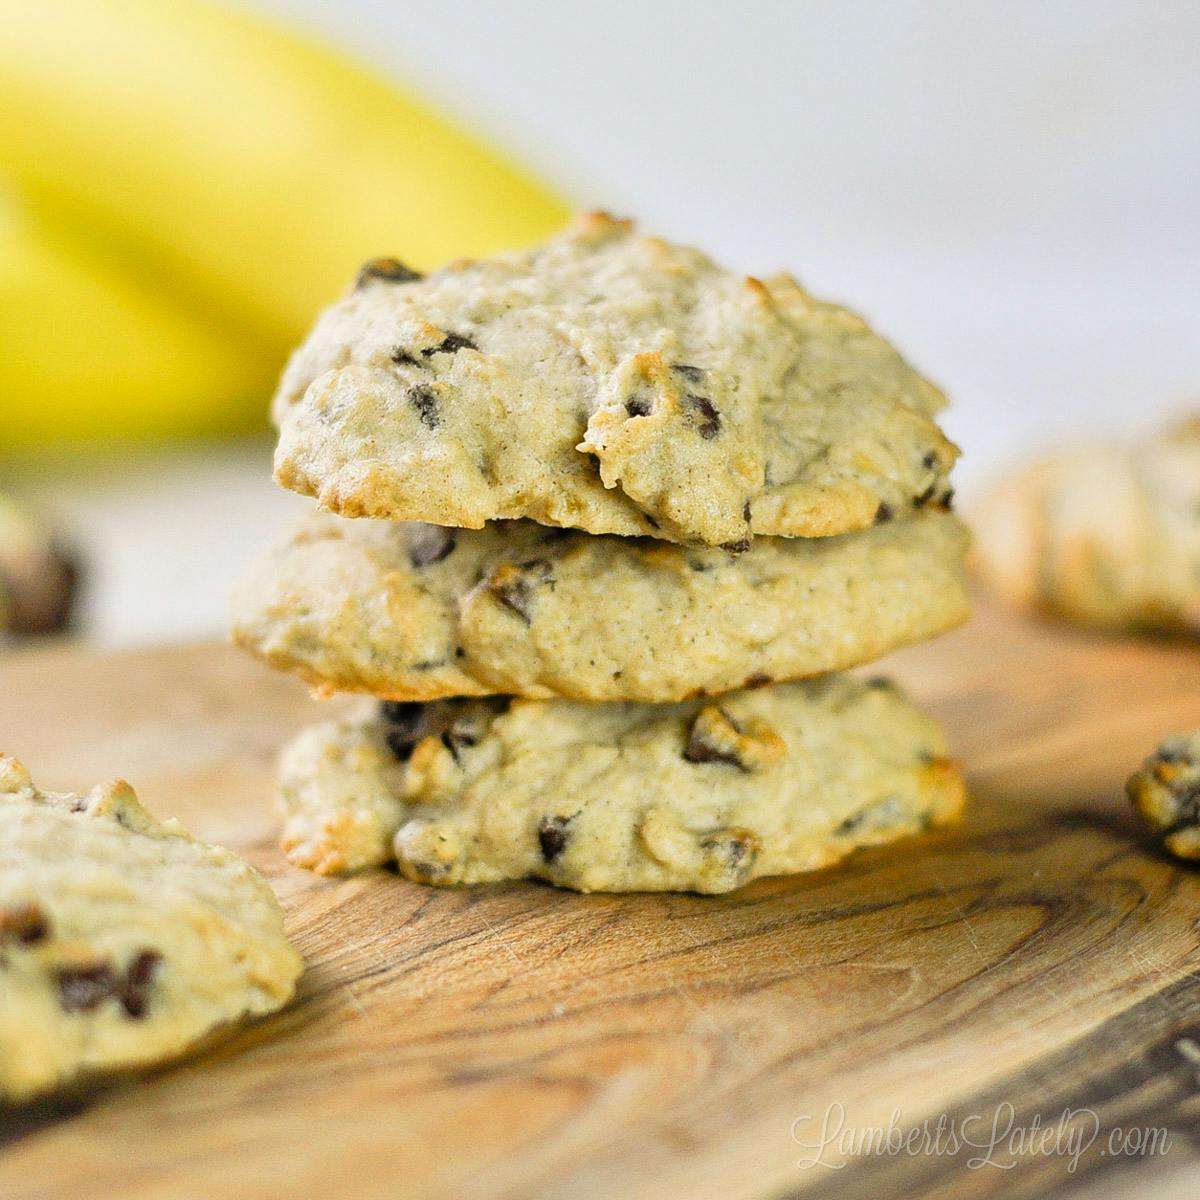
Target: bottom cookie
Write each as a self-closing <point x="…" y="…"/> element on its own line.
<point x="701" y="796"/>
<point x="122" y="940"/>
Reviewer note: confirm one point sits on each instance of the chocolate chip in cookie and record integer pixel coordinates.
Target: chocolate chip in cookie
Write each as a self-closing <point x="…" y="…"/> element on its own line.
<point x="424" y="400"/>
<point x="708" y="420"/>
<point x="515" y="585"/>
<point x="83" y="988"/>
<point x="452" y="343"/>
<point x="139" y="978"/>
<point x="404" y="720"/>
<point x="390" y="270"/>
<point x="429" y="544"/>
<point x="715" y="737"/>
<point x="553" y="836"/>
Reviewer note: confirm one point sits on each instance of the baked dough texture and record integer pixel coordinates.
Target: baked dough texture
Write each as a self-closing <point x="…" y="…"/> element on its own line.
<point x="612" y="383"/>
<point x="417" y="612"/>
<point x="700" y="796"/>
<point x="122" y="939"/>
<point x="1107" y="536"/>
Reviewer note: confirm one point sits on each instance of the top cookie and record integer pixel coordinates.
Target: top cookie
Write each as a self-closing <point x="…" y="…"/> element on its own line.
<point x="612" y="383"/>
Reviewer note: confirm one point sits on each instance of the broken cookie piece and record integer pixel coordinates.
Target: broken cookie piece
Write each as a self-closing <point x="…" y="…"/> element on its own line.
<point x="122" y="938"/>
<point x="1166" y="793"/>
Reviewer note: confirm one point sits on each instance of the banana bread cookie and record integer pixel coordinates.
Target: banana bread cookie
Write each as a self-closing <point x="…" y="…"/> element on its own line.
<point x="418" y="612"/>
<point x="700" y="796"/>
<point x="122" y="939"/>
<point x="1104" y="535"/>
<point x="611" y="383"/>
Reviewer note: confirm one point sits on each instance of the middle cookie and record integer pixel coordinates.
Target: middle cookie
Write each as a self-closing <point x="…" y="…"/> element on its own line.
<point x="419" y="612"/>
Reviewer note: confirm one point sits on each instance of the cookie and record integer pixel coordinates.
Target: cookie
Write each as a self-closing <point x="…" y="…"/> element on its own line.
<point x="1166" y="793"/>
<point x="699" y="796"/>
<point x="420" y="612"/>
<point x="611" y="383"/>
<point x="122" y="939"/>
<point x="1107" y="536"/>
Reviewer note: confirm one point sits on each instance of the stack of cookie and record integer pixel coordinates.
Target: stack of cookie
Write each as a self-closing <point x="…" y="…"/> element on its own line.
<point x="620" y="518"/>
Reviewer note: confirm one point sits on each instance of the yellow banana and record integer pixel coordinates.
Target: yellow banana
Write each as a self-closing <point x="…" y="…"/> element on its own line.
<point x="240" y="170"/>
<point x="87" y="351"/>
<point x="246" y="160"/>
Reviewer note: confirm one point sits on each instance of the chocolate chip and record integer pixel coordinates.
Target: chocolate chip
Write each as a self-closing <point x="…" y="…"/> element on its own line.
<point x="690" y="373"/>
<point x="424" y="400"/>
<point x="552" y="836"/>
<point x="400" y="744"/>
<point x="758" y="679"/>
<point x="515" y="586"/>
<point x="944" y="501"/>
<point x="404" y="714"/>
<point x="884" y="513"/>
<point x="452" y="343"/>
<point x="746" y="511"/>
<point x="700" y="750"/>
<point x="710" y="426"/>
<point x="738" y="547"/>
<point x="429" y="544"/>
<point x="929" y="461"/>
<point x="80" y="989"/>
<point x="459" y="737"/>
<point x="139" y="975"/>
<point x="26" y="923"/>
<point x="404" y="718"/>
<point x="638" y="406"/>
<point x="402" y="357"/>
<point x="390" y="269"/>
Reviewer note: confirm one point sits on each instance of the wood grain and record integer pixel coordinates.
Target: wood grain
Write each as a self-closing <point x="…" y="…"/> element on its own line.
<point x="515" y="1040"/>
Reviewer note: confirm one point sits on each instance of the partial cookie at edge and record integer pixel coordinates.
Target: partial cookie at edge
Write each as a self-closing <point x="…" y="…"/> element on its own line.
<point x="122" y="939"/>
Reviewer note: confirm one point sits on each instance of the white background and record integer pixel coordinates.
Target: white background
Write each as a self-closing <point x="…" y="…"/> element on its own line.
<point x="1010" y="190"/>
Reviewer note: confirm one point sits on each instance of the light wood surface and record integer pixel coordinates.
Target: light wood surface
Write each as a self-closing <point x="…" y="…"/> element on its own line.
<point x="521" y="1041"/>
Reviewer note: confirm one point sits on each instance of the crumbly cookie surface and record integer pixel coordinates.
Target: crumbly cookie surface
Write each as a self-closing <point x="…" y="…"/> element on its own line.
<point x="419" y="612"/>
<point x="612" y="383"/>
<point x="1105" y="535"/>
<point x="700" y="796"/>
<point x="122" y="939"/>
<point x="1166" y="793"/>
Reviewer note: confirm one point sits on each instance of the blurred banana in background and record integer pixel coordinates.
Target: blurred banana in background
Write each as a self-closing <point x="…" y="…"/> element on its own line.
<point x="182" y="187"/>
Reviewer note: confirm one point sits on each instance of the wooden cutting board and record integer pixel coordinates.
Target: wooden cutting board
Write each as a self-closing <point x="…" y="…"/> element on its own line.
<point x="518" y="1040"/>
